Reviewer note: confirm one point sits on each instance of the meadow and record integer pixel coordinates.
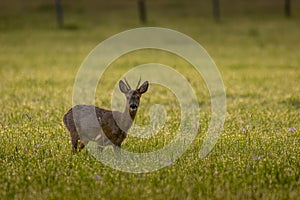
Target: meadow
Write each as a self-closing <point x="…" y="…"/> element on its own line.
<point x="256" y="49"/>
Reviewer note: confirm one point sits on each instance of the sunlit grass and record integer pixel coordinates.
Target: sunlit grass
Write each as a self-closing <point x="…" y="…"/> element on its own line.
<point x="257" y="155"/>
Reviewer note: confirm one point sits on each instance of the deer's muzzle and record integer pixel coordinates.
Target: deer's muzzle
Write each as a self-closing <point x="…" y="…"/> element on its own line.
<point x="133" y="106"/>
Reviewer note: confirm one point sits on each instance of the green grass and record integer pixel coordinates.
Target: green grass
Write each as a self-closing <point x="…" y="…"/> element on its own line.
<point x="258" y="55"/>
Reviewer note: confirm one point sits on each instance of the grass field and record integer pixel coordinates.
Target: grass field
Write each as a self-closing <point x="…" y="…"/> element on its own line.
<point x="256" y="49"/>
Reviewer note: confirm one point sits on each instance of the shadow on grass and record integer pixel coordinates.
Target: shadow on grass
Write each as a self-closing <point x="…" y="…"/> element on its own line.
<point x="69" y="26"/>
<point x="293" y="102"/>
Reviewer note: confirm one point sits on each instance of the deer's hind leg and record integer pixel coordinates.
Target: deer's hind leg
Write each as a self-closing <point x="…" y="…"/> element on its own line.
<point x="77" y="144"/>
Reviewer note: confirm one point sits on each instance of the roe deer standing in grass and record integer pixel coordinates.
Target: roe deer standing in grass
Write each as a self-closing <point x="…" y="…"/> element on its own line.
<point x="89" y="123"/>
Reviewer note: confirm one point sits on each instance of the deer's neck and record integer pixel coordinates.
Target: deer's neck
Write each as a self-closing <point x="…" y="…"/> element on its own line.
<point x="125" y="119"/>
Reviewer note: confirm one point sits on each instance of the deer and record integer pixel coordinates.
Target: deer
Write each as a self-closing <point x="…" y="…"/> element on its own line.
<point x="105" y="127"/>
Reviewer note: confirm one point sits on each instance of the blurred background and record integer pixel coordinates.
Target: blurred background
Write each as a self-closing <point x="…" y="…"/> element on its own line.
<point x="42" y="27"/>
<point x="78" y="15"/>
<point x="50" y="39"/>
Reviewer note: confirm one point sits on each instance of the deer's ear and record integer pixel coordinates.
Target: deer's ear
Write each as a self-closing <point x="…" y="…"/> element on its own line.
<point x="143" y="87"/>
<point x="123" y="87"/>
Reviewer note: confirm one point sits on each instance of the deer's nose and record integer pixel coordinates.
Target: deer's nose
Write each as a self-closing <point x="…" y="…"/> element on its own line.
<point x="133" y="106"/>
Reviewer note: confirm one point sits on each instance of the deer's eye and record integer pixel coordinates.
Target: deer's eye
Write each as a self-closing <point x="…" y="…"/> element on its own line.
<point x="138" y="98"/>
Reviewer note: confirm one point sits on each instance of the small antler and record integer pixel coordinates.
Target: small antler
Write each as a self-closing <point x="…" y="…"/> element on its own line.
<point x="138" y="83"/>
<point x="127" y="84"/>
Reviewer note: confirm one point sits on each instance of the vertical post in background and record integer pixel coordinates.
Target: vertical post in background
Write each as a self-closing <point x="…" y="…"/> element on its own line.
<point x="216" y="10"/>
<point x="142" y="11"/>
<point x="287" y="8"/>
<point x="59" y="13"/>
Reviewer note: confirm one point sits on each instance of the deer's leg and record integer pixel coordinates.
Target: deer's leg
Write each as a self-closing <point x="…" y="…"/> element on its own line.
<point x="81" y="145"/>
<point x="75" y="139"/>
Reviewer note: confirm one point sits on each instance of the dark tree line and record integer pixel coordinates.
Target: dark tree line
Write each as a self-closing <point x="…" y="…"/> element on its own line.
<point x="142" y="10"/>
<point x="217" y="15"/>
<point x="216" y="9"/>
<point x="287" y="8"/>
<point x="59" y="13"/>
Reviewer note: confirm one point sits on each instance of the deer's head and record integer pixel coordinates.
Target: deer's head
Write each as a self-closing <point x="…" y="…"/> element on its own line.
<point x="133" y="95"/>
